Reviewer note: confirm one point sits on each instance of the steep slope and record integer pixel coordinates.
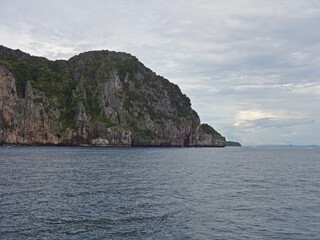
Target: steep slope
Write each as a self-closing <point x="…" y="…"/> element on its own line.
<point x="95" y="98"/>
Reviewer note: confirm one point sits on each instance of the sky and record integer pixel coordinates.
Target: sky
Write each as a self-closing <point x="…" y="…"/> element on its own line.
<point x="250" y="67"/>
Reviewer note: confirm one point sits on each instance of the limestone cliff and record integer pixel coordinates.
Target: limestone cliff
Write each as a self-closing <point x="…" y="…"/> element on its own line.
<point x="95" y="98"/>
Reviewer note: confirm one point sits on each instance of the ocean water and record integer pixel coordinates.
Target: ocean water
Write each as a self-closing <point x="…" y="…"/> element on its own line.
<point x="159" y="193"/>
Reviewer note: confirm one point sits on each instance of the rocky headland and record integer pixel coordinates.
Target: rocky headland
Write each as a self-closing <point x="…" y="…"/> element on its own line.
<point x="233" y="144"/>
<point x="98" y="98"/>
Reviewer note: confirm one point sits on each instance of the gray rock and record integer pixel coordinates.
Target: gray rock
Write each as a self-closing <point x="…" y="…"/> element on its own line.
<point x="96" y="98"/>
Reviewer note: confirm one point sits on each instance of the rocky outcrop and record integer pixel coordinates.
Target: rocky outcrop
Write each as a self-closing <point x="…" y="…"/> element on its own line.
<point x="96" y="98"/>
<point x="206" y="136"/>
<point x="233" y="144"/>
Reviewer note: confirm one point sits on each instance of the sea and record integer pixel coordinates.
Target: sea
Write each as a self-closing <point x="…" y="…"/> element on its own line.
<point x="159" y="193"/>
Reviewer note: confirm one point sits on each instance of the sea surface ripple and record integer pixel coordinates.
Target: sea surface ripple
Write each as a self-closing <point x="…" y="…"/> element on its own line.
<point x="159" y="193"/>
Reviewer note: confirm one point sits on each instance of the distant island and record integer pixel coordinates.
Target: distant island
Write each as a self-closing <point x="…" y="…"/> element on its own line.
<point x="286" y="146"/>
<point x="97" y="98"/>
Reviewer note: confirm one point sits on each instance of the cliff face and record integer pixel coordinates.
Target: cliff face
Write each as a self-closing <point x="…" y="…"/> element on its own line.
<point x="96" y="98"/>
<point x="21" y="120"/>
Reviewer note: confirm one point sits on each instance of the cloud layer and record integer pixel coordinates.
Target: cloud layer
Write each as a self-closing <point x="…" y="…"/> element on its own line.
<point x="251" y="68"/>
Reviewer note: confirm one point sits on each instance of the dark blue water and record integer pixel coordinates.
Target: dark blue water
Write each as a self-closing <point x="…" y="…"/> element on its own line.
<point x="159" y="193"/>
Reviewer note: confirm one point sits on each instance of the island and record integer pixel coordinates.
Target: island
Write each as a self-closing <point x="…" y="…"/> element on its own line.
<point x="96" y="98"/>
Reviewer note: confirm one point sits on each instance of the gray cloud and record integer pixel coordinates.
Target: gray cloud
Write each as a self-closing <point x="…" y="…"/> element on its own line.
<point x="229" y="56"/>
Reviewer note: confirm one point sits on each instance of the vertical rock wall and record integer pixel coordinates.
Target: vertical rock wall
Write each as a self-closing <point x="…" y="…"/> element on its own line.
<point x="98" y="98"/>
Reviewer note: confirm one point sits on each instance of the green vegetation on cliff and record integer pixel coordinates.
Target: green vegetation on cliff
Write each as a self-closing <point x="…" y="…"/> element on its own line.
<point x="208" y="129"/>
<point x="99" y="90"/>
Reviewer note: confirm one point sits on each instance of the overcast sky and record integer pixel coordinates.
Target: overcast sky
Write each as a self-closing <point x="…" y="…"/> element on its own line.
<point x="250" y="67"/>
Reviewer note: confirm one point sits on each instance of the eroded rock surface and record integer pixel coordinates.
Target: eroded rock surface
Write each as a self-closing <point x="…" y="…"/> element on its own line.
<point x="95" y="98"/>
